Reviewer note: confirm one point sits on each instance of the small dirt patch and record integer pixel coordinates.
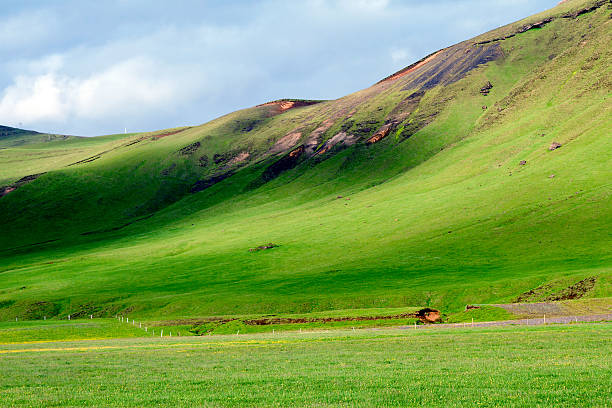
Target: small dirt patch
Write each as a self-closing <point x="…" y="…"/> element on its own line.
<point x="22" y="181"/>
<point x="170" y="133"/>
<point x="263" y="247"/>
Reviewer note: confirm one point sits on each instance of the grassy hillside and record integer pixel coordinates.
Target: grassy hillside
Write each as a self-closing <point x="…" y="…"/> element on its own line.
<point x="430" y="188"/>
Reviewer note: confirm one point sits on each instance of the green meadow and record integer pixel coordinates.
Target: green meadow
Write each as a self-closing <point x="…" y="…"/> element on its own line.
<point x="553" y="365"/>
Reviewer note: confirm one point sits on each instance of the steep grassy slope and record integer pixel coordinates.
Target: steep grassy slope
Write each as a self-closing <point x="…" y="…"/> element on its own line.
<point x="408" y="193"/>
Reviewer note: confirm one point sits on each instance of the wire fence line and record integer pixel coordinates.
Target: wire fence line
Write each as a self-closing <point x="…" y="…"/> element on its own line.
<point x="606" y="317"/>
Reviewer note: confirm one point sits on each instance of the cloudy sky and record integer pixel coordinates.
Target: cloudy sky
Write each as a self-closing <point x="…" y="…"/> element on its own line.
<point x="96" y="67"/>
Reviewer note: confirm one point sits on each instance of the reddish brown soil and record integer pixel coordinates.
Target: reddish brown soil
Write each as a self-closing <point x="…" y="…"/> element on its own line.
<point x="174" y="132"/>
<point x="284" y="105"/>
<point x="24" y="180"/>
<point x="380" y="134"/>
<point x="426" y="315"/>
<point x="410" y="68"/>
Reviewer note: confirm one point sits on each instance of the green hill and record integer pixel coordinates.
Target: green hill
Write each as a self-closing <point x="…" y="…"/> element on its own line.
<point x="473" y="176"/>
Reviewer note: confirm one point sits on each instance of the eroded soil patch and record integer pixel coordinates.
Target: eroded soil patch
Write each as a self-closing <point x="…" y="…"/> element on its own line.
<point x="22" y="181"/>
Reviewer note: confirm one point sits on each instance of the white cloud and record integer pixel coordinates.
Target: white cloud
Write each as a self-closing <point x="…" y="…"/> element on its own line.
<point x="129" y="87"/>
<point x="91" y="68"/>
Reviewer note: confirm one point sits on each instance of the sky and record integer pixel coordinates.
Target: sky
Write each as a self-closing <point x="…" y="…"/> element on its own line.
<point x="87" y="68"/>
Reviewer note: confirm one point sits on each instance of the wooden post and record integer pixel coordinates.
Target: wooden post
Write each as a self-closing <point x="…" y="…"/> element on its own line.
<point x="544" y="319"/>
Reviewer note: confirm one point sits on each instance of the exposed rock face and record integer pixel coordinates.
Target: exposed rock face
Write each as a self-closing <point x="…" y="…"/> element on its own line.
<point x="554" y="146"/>
<point x="286" y="142"/>
<point x="486" y="88"/>
<point x="284" y="105"/>
<point x="380" y="134"/>
<point x="283" y="164"/>
<point x="315" y="137"/>
<point x="192" y="148"/>
<point x="338" y="138"/>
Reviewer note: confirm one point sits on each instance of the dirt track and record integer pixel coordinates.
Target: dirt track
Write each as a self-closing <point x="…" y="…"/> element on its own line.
<point x="524" y="322"/>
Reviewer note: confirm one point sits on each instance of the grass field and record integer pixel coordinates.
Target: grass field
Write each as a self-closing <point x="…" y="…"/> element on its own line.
<point x="547" y="366"/>
<point x="440" y="213"/>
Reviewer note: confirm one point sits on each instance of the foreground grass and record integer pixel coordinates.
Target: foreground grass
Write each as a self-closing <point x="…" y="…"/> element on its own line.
<point x="512" y="366"/>
<point x="445" y="218"/>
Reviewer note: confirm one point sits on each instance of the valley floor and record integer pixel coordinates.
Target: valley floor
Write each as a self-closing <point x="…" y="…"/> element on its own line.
<point x="552" y="365"/>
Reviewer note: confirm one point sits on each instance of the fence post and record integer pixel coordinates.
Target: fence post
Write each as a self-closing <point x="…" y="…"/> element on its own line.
<point x="544" y="319"/>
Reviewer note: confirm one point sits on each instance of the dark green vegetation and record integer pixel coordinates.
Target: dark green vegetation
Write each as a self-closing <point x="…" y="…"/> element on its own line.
<point x="560" y="366"/>
<point x="429" y="188"/>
